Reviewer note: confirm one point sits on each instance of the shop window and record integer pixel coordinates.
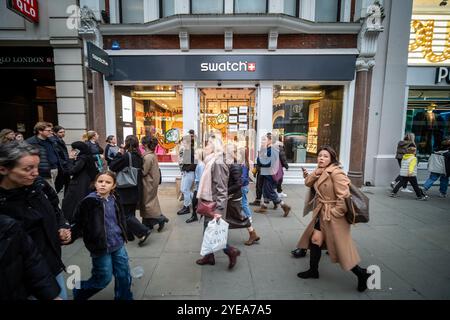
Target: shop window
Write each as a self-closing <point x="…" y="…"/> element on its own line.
<point x="210" y="6"/>
<point x="132" y="11"/>
<point x="328" y="10"/>
<point x="151" y="110"/>
<point x="428" y="117"/>
<point x="250" y="6"/>
<point x="167" y="8"/>
<point x="307" y="117"/>
<point x="291" y="7"/>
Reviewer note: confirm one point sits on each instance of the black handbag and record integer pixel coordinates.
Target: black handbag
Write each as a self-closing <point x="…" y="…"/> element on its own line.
<point x="233" y="215"/>
<point x="357" y="206"/>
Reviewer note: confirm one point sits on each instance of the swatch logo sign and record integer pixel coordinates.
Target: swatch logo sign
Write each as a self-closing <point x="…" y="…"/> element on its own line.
<point x="228" y="66"/>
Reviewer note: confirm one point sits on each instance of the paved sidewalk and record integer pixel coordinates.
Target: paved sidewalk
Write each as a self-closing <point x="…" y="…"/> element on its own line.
<point x="408" y="239"/>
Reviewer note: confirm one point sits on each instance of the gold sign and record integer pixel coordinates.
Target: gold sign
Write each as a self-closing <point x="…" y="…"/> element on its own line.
<point x="424" y="32"/>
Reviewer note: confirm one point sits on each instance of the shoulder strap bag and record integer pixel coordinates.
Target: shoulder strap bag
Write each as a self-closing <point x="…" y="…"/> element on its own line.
<point x="128" y="176"/>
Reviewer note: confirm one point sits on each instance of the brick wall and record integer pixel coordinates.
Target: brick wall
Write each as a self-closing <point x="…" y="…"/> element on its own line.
<point x="143" y="41"/>
<point x="214" y="41"/>
<point x="316" y="41"/>
<point x="240" y="41"/>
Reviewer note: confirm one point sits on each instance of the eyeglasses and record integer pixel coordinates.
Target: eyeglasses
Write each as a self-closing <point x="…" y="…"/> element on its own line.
<point x="47" y="130"/>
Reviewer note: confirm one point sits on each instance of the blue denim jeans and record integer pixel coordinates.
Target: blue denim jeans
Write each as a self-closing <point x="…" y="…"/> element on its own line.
<point x="187" y="180"/>
<point x="62" y="284"/>
<point x="245" y="206"/>
<point x="443" y="182"/>
<point x="103" y="268"/>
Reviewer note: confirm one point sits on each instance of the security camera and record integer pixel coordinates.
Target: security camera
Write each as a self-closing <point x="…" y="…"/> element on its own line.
<point x="219" y="84"/>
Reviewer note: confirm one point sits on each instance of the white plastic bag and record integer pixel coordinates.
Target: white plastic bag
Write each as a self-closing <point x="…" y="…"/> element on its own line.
<point x="215" y="237"/>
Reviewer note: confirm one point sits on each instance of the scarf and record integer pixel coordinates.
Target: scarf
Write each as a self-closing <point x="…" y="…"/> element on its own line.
<point x="205" y="186"/>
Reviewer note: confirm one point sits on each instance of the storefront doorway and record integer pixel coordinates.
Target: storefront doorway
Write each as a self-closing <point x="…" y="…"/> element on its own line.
<point x="230" y="113"/>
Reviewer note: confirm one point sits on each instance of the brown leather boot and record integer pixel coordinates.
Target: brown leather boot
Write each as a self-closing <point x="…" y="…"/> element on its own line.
<point x="208" y="259"/>
<point x="286" y="209"/>
<point x="253" y="238"/>
<point x="262" y="209"/>
<point x="232" y="254"/>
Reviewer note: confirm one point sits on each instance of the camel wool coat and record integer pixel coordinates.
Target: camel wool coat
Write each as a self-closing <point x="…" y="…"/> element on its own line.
<point x="150" y="181"/>
<point x="332" y="186"/>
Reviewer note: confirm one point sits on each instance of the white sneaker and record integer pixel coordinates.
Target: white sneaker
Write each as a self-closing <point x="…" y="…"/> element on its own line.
<point x="406" y="190"/>
<point x="442" y="195"/>
<point x="282" y="195"/>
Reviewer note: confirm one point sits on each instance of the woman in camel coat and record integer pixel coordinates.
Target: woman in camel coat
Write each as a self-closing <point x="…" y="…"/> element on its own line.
<point x="150" y="208"/>
<point x="328" y="228"/>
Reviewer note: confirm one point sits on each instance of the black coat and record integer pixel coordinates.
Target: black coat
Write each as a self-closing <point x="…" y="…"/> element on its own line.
<point x="90" y="223"/>
<point x="128" y="196"/>
<point x="24" y="271"/>
<point x="235" y="181"/>
<point x="62" y="152"/>
<point x="32" y="207"/>
<point x="44" y="164"/>
<point x="83" y="173"/>
<point x="283" y="159"/>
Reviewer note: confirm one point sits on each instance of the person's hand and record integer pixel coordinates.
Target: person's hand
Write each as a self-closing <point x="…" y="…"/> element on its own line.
<point x="305" y="172"/>
<point x="217" y="216"/>
<point x="65" y="235"/>
<point x="73" y="154"/>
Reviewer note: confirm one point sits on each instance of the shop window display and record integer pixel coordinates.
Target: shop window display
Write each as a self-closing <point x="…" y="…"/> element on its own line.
<point x="307" y="117"/>
<point x="151" y="111"/>
<point x="430" y="125"/>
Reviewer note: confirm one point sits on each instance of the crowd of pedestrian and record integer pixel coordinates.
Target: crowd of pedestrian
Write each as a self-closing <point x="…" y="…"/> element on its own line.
<point x="103" y="189"/>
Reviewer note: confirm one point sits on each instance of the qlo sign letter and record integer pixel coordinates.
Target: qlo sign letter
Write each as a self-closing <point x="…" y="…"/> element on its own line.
<point x="26" y="8"/>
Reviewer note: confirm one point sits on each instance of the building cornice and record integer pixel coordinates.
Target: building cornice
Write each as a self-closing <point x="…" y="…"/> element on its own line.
<point x="240" y="23"/>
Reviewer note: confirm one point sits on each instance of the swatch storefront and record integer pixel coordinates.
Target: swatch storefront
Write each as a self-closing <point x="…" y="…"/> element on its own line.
<point x="306" y="99"/>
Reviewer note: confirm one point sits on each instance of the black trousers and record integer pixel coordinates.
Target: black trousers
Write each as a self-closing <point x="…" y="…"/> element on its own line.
<point x="134" y="226"/>
<point x="194" y="202"/>
<point x="404" y="181"/>
<point x="62" y="181"/>
<point x="398" y="177"/>
<point x="259" y="186"/>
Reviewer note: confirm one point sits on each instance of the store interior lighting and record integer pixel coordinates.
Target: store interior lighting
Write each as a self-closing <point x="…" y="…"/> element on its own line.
<point x="154" y="93"/>
<point x="299" y="92"/>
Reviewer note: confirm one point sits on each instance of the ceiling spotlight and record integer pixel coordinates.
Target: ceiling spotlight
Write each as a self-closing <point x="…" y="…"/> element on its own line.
<point x="443" y="3"/>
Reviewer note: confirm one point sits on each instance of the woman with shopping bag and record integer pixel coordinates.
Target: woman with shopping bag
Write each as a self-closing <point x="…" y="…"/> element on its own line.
<point x="212" y="195"/>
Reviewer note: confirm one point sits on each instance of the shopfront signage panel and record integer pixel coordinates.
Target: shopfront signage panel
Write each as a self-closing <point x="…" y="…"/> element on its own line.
<point x="442" y="73"/>
<point x="26" y="58"/>
<point x="29" y="9"/>
<point x="232" y="67"/>
<point x="430" y="40"/>
<point x="98" y="59"/>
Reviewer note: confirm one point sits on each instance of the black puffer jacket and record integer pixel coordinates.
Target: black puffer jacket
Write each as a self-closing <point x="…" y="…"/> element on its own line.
<point x="44" y="164"/>
<point x="90" y="223"/>
<point x="35" y="208"/>
<point x="24" y="271"/>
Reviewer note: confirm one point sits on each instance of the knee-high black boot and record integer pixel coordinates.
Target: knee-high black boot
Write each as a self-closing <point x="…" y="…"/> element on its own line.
<point x="314" y="259"/>
<point x="362" y="277"/>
